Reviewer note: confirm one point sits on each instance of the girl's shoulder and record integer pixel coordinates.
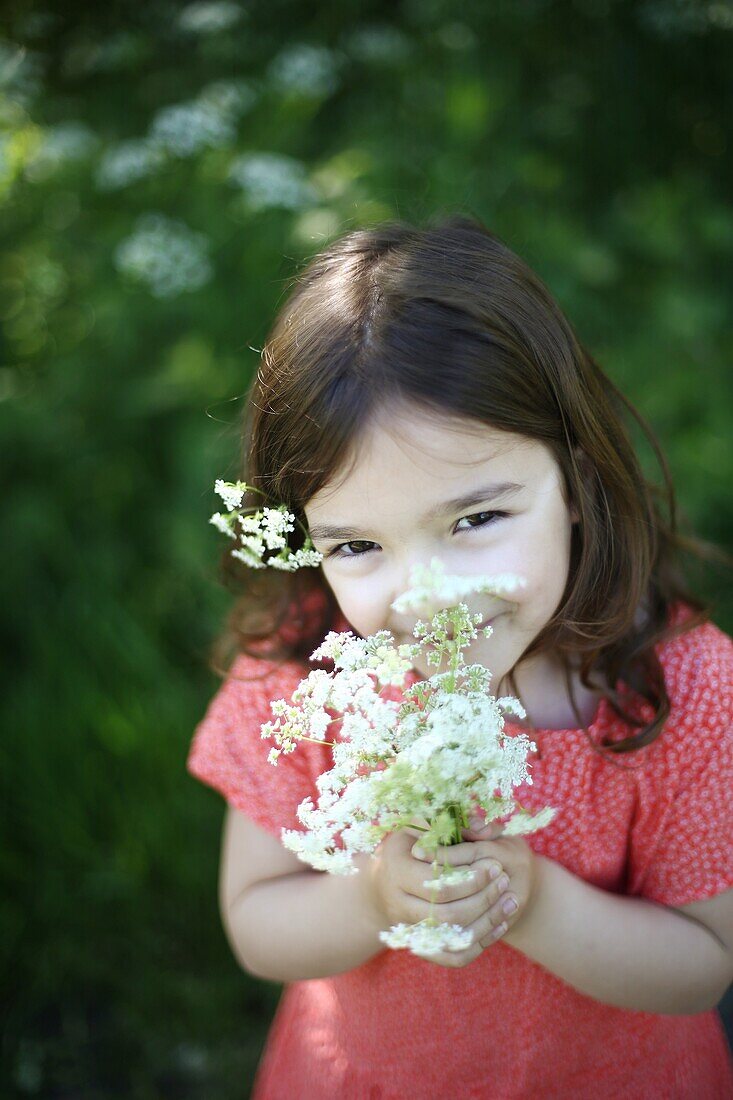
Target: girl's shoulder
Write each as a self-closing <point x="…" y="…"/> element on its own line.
<point x="698" y="731"/>
<point x="254" y="679"/>
<point x="698" y="670"/>
<point x="229" y="754"/>
<point x="679" y="847"/>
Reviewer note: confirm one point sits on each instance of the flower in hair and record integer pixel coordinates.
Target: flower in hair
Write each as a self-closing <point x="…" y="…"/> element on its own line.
<point x="262" y="530"/>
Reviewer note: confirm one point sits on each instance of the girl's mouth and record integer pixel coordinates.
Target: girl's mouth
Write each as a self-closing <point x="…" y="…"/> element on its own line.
<point x="487" y="622"/>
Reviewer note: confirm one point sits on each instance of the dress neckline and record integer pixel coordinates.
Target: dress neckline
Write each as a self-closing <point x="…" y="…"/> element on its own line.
<point x="598" y="721"/>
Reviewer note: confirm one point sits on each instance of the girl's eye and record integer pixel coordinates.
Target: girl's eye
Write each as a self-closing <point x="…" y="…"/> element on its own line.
<point x="483" y="523"/>
<point x="338" y="551"/>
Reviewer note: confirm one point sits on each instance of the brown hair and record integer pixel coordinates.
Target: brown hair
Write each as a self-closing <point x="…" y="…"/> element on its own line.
<point x="451" y="320"/>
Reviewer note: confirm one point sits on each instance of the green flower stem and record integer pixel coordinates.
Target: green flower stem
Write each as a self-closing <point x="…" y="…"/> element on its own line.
<point x="313" y="740"/>
<point x="458" y="814"/>
<point x="455" y="647"/>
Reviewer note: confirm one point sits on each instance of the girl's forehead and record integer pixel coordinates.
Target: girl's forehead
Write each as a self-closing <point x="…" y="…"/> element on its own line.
<point x="397" y="415"/>
<point x="450" y="444"/>
<point x="409" y="451"/>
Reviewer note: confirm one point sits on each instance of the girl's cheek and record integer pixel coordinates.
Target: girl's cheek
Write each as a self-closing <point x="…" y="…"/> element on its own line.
<point x="359" y="603"/>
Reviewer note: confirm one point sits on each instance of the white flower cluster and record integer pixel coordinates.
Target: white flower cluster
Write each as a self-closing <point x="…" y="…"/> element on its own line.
<point x="306" y="70"/>
<point x="678" y="20"/>
<point x="231" y="97"/>
<point x="60" y="145"/>
<point x="431" y="582"/>
<point x="209" y="17"/>
<point x="451" y="877"/>
<point x="435" y="756"/>
<point x="272" y="179"/>
<point x="375" y="653"/>
<point x="378" y="42"/>
<point x="127" y="162"/>
<point x="179" y="130"/>
<point x="187" y="128"/>
<point x="266" y="529"/>
<point x="20" y="76"/>
<point x="166" y="255"/>
<point x="428" y="939"/>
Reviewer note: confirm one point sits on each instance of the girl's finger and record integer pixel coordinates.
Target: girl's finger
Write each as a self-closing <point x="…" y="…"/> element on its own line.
<point x="482" y="874"/>
<point x="479" y="828"/>
<point x="464" y="910"/>
<point x="455" y="959"/>
<point x="458" y="854"/>
<point x="496" y="921"/>
<point x="486" y="832"/>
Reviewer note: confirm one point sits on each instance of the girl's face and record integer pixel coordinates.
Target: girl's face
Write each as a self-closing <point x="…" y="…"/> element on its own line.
<point x="399" y="505"/>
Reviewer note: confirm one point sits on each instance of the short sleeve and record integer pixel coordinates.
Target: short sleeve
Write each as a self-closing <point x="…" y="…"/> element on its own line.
<point x="681" y="844"/>
<point x="228" y="753"/>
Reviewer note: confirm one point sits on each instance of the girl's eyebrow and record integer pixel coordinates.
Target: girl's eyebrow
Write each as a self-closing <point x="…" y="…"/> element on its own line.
<point x="478" y="496"/>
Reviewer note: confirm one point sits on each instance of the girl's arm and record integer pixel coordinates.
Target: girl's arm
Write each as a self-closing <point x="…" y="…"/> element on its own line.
<point x="284" y="921"/>
<point x="288" y="924"/>
<point x="624" y="951"/>
<point x="307" y="924"/>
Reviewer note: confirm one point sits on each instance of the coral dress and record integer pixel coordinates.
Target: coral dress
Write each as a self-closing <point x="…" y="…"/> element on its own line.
<point x="504" y="1027"/>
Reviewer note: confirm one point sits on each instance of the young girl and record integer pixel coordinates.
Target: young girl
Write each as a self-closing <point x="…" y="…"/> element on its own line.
<point x="421" y="394"/>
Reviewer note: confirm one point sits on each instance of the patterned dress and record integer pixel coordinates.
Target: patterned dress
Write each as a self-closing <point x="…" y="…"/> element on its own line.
<point x="504" y="1027"/>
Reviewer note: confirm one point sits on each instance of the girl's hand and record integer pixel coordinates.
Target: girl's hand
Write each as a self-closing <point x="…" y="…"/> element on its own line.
<point x="396" y="880"/>
<point x="519" y="863"/>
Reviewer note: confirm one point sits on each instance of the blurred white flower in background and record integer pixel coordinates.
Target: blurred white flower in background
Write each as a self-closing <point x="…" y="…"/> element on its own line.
<point x="187" y="128"/>
<point x="231" y="97"/>
<point x="178" y="130"/>
<point x="272" y="179"/>
<point x="121" y="50"/>
<point x="208" y="18"/>
<point x="166" y="255"/>
<point x="20" y="73"/>
<point x="678" y="18"/>
<point x="60" y="145"/>
<point x="378" y="42"/>
<point x="308" y="70"/>
<point x="128" y="162"/>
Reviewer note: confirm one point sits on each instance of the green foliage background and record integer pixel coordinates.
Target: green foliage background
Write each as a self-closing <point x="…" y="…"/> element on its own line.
<point x="592" y="136"/>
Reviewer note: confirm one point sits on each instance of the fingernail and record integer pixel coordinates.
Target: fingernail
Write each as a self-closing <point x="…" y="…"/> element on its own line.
<point x="499" y="930"/>
<point x="418" y="852"/>
<point x="502" y="884"/>
<point x="509" y="906"/>
<point x="494" y="871"/>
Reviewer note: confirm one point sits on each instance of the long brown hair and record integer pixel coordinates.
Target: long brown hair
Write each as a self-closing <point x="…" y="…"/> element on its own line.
<point x="452" y="321"/>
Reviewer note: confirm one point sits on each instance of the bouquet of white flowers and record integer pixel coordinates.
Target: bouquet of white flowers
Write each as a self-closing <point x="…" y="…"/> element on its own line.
<point x="434" y="757"/>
